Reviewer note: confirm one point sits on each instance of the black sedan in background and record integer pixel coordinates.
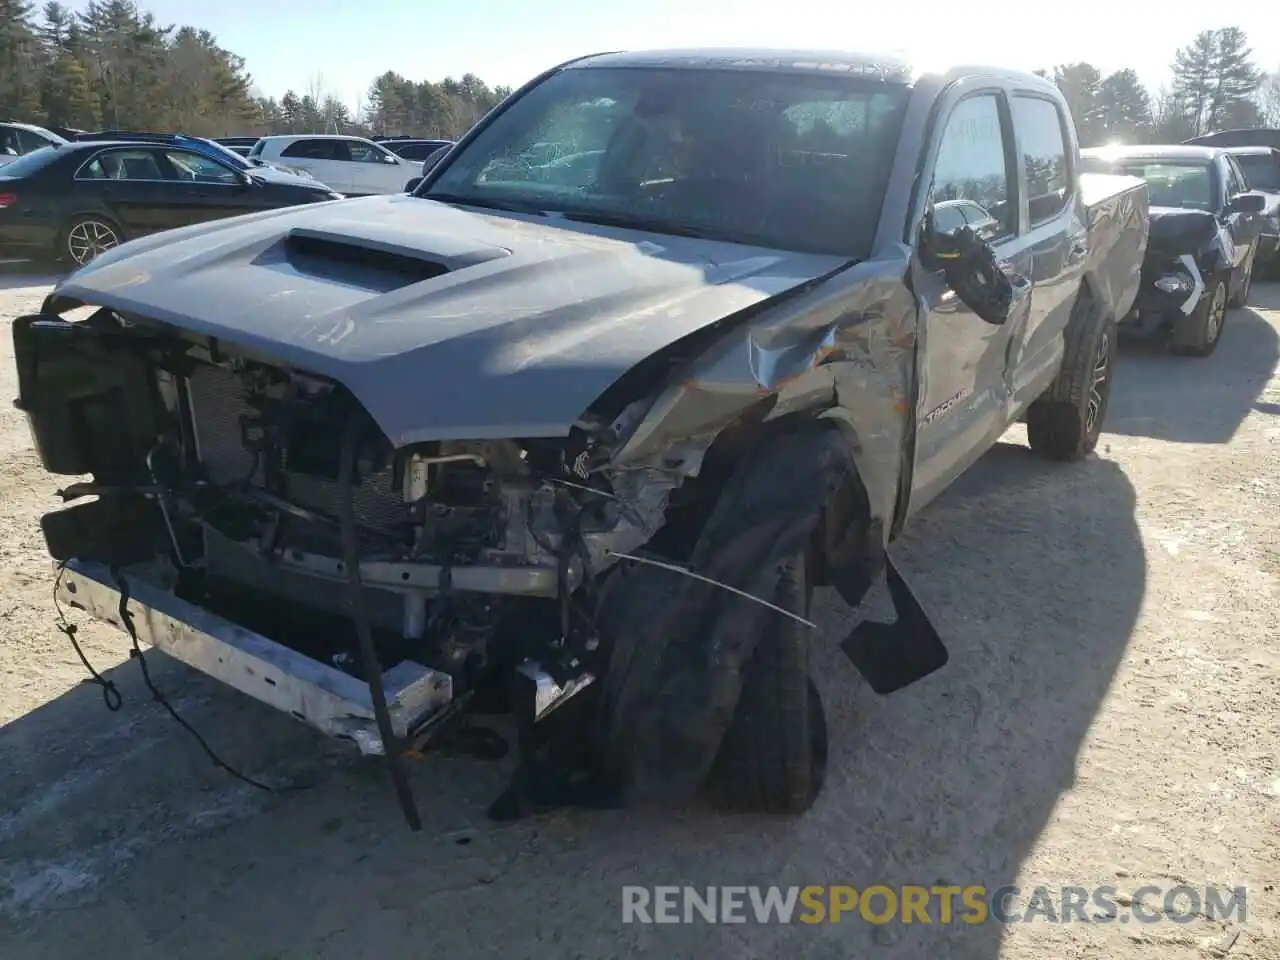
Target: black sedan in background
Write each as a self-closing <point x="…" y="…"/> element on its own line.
<point x="1204" y="239"/>
<point x="78" y="199"/>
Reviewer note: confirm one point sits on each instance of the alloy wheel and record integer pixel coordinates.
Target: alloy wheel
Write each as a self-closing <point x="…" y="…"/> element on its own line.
<point x="1098" y="382"/>
<point x="89" y="238"/>
<point x="1217" y="310"/>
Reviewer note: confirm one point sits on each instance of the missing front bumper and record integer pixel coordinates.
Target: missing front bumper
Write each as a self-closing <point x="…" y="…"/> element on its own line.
<point x="333" y="702"/>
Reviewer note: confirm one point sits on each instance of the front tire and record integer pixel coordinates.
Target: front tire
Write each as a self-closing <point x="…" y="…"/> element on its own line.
<point x="773" y="757"/>
<point x="86" y="237"/>
<point x="1066" y="421"/>
<point x="1241" y="297"/>
<point x="1197" y="334"/>
<point x="705" y="691"/>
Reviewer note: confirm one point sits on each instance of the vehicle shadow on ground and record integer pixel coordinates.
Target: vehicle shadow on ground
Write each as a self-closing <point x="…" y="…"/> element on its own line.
<point x="1225" y="386"/>
<point x="118" y="838"/>
<point x="18" y="275"/>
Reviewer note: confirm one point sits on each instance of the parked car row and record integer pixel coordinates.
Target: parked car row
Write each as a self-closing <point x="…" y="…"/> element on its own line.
<point x="74" y="198"/>
<point x="1212" y="228"/>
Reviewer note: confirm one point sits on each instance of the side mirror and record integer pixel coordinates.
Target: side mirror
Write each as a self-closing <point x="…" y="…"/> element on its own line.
<point x="432" y="160"/>
<point x="1247" y="203"/>
<point x="973" y="271"/>
<point x="412" y="185"/>
<point x="390" y="158"/>
<point x="246" y="179"/>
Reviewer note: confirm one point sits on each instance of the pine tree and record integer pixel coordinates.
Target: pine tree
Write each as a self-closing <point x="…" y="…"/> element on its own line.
<point x="1236" y="80"/>
<point x="1080" y="84"/>
<point x="1213" y="76"/>
<point x="1124" y="108"/>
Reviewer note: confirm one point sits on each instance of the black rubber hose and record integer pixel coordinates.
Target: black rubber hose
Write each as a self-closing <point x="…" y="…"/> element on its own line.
<point x="360" y="616"/>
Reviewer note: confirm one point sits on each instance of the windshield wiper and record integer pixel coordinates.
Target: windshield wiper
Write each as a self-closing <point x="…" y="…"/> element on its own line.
<point x="463" y="200"/>
<point x="650" y="224"/>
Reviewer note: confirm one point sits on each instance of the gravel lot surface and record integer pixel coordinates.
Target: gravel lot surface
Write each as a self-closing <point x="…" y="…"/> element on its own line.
<point x="1110" y="715"/>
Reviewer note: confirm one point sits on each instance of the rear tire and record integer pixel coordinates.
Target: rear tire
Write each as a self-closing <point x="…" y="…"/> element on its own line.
<point x="86" y="237"/>
<point x="1065" y="422"/>
<point x="1197" y="334"/>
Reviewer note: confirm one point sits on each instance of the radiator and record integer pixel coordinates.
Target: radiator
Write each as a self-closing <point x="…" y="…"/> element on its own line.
<point x="218" y="402"/>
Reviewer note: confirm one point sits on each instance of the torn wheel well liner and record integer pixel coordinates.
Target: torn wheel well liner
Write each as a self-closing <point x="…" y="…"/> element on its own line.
<point x="846" y="551"/>
<point x="676" y="672"/>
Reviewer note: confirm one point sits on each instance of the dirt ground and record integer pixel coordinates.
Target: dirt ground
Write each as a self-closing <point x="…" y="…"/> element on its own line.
<point x="1110" y="716"/>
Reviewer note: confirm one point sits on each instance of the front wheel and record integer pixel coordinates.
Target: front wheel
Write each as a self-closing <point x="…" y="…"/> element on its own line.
<point x="773" y="757"/>
<point x="1065" y="423"/>
<point x="86" y="237"/>
<point x="1241" y="298"/>
<point x="1197" y="334"/>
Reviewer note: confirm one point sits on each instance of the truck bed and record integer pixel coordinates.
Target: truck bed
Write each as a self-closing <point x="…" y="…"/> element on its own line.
<point x="1117" y="210"/>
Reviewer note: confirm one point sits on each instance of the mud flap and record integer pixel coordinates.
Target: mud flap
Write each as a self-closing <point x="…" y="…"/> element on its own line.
<point x="891" y="656"/>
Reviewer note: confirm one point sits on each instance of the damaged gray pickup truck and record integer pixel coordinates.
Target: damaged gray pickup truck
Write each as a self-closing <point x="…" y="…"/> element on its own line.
<point x="574" y="429"/>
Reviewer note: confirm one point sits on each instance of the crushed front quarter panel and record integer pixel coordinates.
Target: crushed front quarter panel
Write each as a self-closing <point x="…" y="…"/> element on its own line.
<point x="844" y="350"/>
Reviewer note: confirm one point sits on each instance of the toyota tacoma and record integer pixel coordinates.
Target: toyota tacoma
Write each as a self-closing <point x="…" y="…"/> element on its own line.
<point x="587" y="432"/>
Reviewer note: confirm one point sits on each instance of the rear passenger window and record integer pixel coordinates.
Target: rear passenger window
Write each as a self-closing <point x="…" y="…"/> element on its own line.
<point x="973" y="166"/>
<point x="1044" y="156"/>
<point x="313" y="150"/>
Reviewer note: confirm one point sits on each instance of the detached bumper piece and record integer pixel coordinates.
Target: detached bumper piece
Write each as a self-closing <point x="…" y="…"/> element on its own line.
<point x="333" y="702"/>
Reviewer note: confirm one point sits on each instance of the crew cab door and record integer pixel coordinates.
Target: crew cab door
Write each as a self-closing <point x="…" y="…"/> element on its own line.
<point x="963" y="395"/>
<point x="1055" y="230"/>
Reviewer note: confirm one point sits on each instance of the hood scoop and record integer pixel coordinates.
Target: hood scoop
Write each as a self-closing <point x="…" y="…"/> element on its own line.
<point x="371" y="266"/>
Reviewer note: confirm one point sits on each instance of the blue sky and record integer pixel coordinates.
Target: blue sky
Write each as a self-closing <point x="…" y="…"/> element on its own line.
<point x="289" y="42"/>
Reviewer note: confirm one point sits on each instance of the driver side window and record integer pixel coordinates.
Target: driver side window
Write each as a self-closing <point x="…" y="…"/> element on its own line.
<point x="1235" y="182"/>
<point x="972" y="178"/>
<point x="196" y="168"/>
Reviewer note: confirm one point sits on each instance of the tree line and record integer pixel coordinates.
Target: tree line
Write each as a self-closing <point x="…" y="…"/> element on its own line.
<point x="1215" y="85"/>
<point x="113" y="65"/>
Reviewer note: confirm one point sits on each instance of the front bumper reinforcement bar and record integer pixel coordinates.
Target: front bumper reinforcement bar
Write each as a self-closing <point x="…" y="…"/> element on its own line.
<point x="333" y="702"/>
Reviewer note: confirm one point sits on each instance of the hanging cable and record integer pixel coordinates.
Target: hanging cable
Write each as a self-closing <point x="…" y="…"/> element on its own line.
<point x="360" y="617"/>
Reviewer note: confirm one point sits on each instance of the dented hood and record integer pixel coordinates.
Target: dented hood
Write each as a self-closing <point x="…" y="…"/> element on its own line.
<point x="528" y="321"/>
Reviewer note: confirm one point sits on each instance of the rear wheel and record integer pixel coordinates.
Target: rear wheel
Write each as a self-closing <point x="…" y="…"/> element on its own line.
<point x="85" y="237"/>
<point x="1197" y="333"/>
<point x="1066" y="421"/>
